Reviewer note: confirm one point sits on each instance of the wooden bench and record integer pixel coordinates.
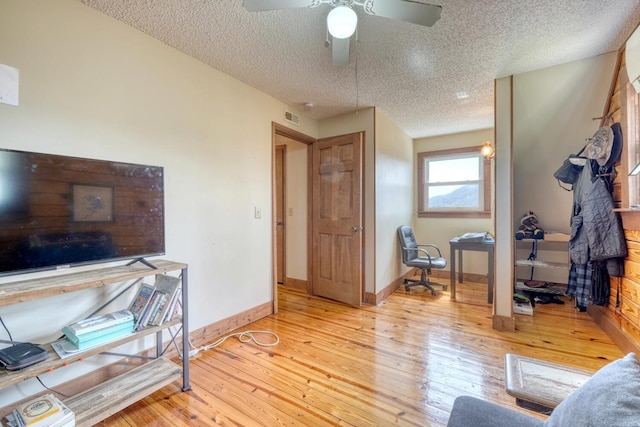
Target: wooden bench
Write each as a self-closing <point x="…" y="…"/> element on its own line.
<point x="538" y="385"/>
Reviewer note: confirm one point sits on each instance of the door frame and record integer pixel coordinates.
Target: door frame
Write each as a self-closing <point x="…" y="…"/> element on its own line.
<point x="281" y="130"/>
<point x="280" y="187"/>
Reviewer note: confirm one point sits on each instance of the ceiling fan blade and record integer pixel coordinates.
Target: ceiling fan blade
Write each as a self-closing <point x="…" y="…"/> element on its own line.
<point x="405" y="10"/>
<point x="260" y="5"/>
<point x="340" y="51"/>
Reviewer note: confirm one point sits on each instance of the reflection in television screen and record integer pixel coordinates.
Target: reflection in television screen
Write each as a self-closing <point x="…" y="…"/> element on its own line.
<point x="59" y="210"/>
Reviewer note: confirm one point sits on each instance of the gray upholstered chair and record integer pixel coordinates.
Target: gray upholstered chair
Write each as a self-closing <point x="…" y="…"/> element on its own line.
<point x="421" y="256"/>
<point x="611" y="397"/>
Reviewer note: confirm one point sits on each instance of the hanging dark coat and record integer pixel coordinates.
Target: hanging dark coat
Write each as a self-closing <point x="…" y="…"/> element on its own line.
<point x="596" y="230"/>
<point x="602" y="225"/>
<point x="597" y="239"/>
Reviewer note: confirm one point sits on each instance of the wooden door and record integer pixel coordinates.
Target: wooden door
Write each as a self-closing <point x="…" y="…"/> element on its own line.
<point x="337" y="218"/>
<point x="280" y="213"/>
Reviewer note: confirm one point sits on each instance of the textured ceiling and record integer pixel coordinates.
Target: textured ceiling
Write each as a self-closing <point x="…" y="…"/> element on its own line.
<point x="410" y="72"/>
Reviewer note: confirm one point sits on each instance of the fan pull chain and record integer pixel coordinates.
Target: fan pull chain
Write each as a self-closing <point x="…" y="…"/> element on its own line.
<point x="356" y="70"/>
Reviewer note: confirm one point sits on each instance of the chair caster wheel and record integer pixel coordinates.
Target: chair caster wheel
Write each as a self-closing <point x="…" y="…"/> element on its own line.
<point x="406" y="288"/>
<point x="433" y="293"/>
<point x="445" y="287"/>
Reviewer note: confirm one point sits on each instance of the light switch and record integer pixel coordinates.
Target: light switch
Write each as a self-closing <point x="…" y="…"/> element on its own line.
<point x="257" y="212"/>
<point x="290" y="212"/>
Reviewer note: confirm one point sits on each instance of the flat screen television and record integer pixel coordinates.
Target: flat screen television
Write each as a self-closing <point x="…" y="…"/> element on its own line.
<point x="58" y="211"/>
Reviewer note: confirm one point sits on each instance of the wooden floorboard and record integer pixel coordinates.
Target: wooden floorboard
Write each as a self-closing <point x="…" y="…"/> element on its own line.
<point x="402" y="362"/>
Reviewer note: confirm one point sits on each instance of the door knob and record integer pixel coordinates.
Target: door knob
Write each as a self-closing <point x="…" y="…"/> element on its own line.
<point x="356" y="228"/>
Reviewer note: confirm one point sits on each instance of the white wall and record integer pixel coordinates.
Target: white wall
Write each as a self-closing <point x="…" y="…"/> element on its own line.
<point x="440" y="230"/>
<point x="93" y="87"/>
<point x="393" y="196"/>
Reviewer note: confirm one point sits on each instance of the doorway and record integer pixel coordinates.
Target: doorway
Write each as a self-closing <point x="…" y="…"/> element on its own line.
<point x="317" y="247"/>
<point x="279" y="211"/>
<point x="290" y="202"/>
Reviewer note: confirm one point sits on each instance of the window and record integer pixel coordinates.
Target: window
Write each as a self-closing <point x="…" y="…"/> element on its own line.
<point x="454" y="183"/>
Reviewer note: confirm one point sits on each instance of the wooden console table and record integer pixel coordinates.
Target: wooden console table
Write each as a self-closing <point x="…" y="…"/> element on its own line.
<point x="487" y="245"/>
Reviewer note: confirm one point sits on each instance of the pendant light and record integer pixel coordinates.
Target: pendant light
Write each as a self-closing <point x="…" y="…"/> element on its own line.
<point x="342" y="22"/>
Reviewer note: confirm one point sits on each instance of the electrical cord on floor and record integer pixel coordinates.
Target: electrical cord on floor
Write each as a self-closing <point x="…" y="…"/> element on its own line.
<point x="243" y="337"/>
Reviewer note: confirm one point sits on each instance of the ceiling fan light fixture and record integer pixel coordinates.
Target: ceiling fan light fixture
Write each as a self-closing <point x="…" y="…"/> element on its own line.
<point x="342" y="22"/>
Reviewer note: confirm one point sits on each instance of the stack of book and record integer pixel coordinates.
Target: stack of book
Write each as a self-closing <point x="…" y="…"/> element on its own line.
<point x="155" y="304"/>
<point x="99" y="329"/>
<point x="43" y="411"/>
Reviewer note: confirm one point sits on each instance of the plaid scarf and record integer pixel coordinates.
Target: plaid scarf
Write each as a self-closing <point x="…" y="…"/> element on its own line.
<point x="579" y="285"/>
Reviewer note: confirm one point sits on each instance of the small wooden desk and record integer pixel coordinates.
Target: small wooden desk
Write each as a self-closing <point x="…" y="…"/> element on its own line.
<point x="487" y="245"/>
<point x="540" y="385"/>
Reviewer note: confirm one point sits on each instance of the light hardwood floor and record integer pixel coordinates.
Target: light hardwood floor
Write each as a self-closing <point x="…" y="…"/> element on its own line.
<point x="402" y="362"/>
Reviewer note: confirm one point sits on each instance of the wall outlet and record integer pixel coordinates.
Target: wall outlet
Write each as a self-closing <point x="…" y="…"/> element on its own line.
<point x="257" y="213"/>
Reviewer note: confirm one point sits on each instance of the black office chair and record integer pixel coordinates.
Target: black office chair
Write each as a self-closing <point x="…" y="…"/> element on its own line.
<point x="417" y="256"/>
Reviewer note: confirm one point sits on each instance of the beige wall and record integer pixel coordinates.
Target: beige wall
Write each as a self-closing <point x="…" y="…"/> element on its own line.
<point x="503" y="212"/>
<point x="394" y="196"/>
<point x="93" y="87"/>
<point x="296" y="208"/>
<point x="388" y="201"/>
<point x="440" y="230"/>
<point x="553" y="111"/>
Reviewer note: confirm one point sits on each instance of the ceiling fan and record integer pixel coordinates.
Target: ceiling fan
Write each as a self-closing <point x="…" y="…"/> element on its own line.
<point x="342" y="20"/>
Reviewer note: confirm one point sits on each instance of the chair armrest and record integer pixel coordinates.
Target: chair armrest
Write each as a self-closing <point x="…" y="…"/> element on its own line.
<point x="434" y="247"/>
<point x="424" y="251"/>
<point x="472" y="412"/>
<point x="418" y="249"/>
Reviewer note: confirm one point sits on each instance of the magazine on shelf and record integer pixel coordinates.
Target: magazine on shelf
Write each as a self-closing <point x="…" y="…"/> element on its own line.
<point x="65" y="348"/>
<point x="143" y="321"/>
<point x="170" y="287"/>
<point x="174" y="306"/>
<point x="159" y="303"/>
<point x="141" y="301"/>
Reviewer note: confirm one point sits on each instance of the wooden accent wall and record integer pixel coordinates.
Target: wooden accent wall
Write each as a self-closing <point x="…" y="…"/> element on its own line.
<point x="621" y="318"/>
<point x="629" y="289"/>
